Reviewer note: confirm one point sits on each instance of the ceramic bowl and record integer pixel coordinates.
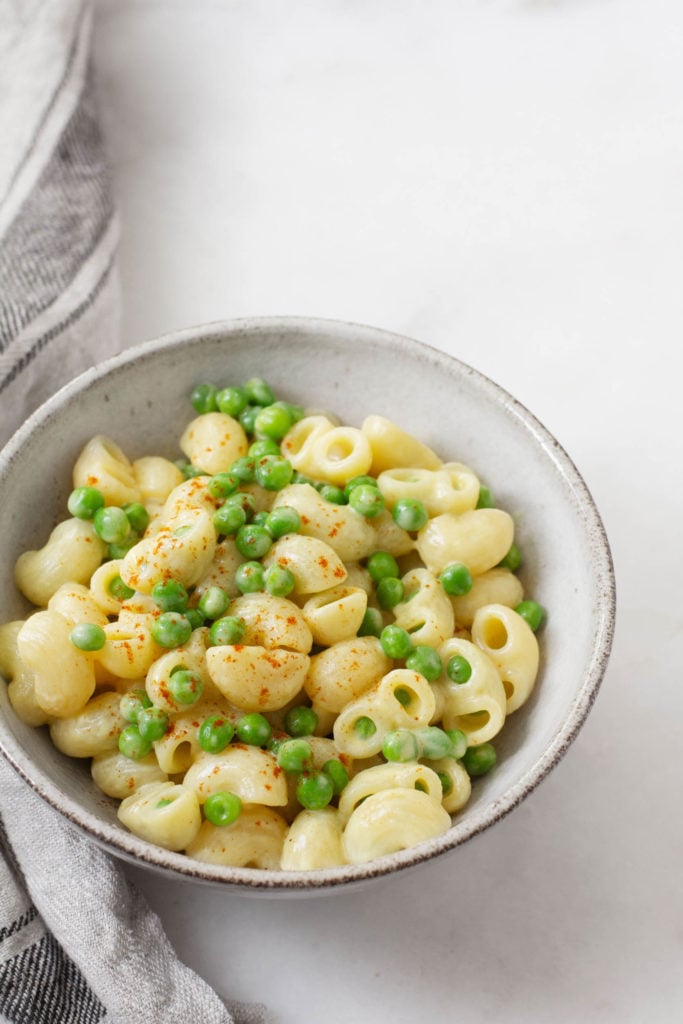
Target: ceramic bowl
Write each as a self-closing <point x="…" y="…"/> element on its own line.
<point x="140" y="400"/>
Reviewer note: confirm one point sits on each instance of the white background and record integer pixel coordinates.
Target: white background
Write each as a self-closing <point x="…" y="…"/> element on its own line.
<point x="503" y="179"/>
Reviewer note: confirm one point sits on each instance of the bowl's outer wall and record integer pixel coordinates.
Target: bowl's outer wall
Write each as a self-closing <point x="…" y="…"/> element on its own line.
<point x="141" y="402"/>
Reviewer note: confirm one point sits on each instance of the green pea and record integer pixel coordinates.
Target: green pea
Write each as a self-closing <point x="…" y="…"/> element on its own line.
<point x="279" y="580"/>
<point x="396" y="642"/>
<point x="111" y="524"/>
<point x="258" y="391"/>
<point x="366" y="500"/>
<point x="456" y="579"/>
<point x="118" y="589"/>
<point x="273" y="472"/>
<point x="242" y="500"/>
<point x="458" y="669"/>
<point x="359" y="481"/>
<point x="84" y="502"/>
<point x="426" y="661"/>
<point x="253" y="541"/>
<point x="434" y="743"/>
<point x="248" y="418"/>
<point x="203" y="398"/>
<point x="512" y="560"/>
<point x="274" y="422"/>
<point x="314" y="790"/>
<point x="118" y="551"/>
<point x="281" y="520"/>
<point x="138" y="516"/>
<point x="400" y="745"/>
<point x="382" y="565"/>
<point x="532" y="613"/>
<point x="253" y="729"/>
<point x="334" y="495"/>
<point x="261" y="518"/>
<point x="458" y="742"/>
<point x="390" y="592"/>
<point x="301" y="478"/>
<point x="276" y="741"/>
<point x="215" y="734"/>
<point x="228" y="630"/>
<point x="170" y="595"/>
<point x="194" y="617"/>
<point x="296" y="412"/>
<point x="446" y="782"/>
<point x="403" y="696"/>
<point x="485" y="499"/>
<point x="229" y="519"/>
<point x="336" y="771"/>
<point x="132" y="744"/>
<point x="410" y="514"/>
<point x="479" y="760"/>
<point x="372" y="624"/>
<point x="231" y="401"/>
<point x="222" y="808"/>
<point x="87" y="636"/>
<point x="188" y="470"/>
<point x="152" y="723"/>
<point x="249" y="578"/>
<point x="222" y="485"/>
<point x="364" y="727"/>
<point x="243" y="469"/>
<point x="301" y="721"/>
<point x="184" y="686"/>
<point x="171" y="629"/>
<point x="294" y="755"/>
<point x="214" y="602"/>
<point x="132" y="703"/>
<point x="264" y="446"/>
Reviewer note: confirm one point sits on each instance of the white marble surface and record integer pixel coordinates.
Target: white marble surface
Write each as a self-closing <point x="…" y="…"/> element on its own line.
<point x="500" y="178"/>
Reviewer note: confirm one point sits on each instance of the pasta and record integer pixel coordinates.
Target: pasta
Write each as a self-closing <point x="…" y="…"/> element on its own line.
<point x="290" y="652"/>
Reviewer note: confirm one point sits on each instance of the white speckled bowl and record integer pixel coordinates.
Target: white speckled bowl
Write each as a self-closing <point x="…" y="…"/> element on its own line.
<point x="140" y="400"/>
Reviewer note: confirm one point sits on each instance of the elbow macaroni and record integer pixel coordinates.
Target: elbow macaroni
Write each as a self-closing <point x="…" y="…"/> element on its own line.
<point x="314" y="644"/>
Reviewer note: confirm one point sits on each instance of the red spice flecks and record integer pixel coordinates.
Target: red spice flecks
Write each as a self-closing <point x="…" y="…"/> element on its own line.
<point x="267" y="785"/>
<point x="340" y="572"/>
<point x="277" y="771"/>
<point x="322" y="562"/>
<point x="305" y="520"/>
<point x="291" y="621"/>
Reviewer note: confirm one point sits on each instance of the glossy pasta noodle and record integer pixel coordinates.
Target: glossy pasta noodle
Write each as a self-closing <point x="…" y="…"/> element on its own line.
<point x="289" y="650"/>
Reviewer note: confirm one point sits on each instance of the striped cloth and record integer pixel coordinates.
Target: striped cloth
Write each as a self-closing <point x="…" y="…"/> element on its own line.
<point x="58" y="228"/>
<point x="78" y="945"/>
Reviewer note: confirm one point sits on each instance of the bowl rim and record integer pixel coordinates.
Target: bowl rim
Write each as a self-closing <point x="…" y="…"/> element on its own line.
<point x="251" y="880"/>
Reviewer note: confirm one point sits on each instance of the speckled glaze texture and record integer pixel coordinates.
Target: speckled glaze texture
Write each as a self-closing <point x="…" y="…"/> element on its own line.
<point x="140" y="400"/>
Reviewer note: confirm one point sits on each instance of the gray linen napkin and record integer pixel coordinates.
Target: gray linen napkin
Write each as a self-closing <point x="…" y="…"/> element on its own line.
<point x="78" y="945"/>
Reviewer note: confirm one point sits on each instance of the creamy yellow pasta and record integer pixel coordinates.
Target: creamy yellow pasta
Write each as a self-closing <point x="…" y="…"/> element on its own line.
<point x="291" y="649"/>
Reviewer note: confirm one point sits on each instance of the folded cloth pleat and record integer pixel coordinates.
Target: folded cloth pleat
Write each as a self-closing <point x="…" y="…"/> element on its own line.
<point x="78" y="944"/>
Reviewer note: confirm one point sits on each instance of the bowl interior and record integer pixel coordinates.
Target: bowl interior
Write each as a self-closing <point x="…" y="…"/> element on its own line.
<point x="140" y="400"/>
